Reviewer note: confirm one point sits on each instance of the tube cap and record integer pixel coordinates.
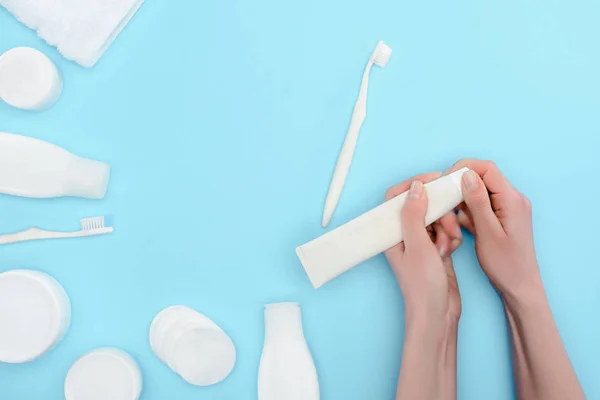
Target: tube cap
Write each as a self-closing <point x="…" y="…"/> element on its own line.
<point x="86" y="178"/>
<point x="457" y="178"/>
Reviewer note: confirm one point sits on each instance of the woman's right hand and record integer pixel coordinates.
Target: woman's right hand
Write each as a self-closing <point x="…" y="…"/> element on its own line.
<point x="500" y="218"/>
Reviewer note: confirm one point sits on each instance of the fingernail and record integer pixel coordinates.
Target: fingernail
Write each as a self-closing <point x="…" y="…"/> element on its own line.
<point x="470" y="180"/>
<point x="456" y="243"/>
<point x="443" y="252"/>
<point x="416" y="190"/>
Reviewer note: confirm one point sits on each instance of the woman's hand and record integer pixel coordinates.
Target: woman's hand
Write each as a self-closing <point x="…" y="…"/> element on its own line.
<point x="423" y="266"/>
<point x="500" y="218"/>
<point x="422" y="263"/>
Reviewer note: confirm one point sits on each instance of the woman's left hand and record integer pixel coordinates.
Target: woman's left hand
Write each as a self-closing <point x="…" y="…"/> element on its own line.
<point x="422" y="263"/>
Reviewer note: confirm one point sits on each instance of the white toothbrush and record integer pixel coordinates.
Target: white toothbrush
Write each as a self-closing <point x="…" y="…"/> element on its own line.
<point x="89" y="227"/>
<point x="380" y="57"/>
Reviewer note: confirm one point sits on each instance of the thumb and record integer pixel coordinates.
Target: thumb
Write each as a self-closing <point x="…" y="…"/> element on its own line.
<point x="413" y="217"/>
<point x="478" y="202"/>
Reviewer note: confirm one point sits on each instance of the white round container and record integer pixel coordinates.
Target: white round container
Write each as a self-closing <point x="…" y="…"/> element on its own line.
<point x="28" y="79"/>
<point x="163" y="322"/>
<point x="203" y="356"/>
<point x="104" y="374"/>
<point x="35" y="314"/>
<point x="192" y="345"/>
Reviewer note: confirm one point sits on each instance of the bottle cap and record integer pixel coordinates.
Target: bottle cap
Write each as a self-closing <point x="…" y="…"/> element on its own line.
<point x="86" y="178"/>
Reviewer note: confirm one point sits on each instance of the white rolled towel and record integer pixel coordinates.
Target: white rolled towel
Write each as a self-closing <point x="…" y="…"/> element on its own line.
<point x="81" y="29"/>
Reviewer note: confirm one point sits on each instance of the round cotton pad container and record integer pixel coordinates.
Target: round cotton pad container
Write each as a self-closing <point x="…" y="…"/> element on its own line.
<point x="168" y="320"/>
<point x="173" y="333"/>
<point x="59" y="293"/>
<point x="162" y="322"/>
<point x="203" y="356"/>
<point x="192" y="345"/>
<point x="28" y="79"/>
<point x="104" y="374"/>
<point x="34" y="315"/>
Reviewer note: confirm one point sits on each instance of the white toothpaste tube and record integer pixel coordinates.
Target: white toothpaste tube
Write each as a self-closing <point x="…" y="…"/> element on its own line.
<point x="379" y="229"/>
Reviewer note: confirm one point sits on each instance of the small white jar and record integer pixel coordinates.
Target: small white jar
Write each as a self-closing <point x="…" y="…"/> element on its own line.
<point x="28" y="79"/>
<point x="102" y="374"/>
<point x="35" y="314"/>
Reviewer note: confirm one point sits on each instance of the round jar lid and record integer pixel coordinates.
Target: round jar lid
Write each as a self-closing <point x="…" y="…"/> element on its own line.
<point x="104" y="374"/>
<point x="34" y="315"/>
<point x="28" y="79"/>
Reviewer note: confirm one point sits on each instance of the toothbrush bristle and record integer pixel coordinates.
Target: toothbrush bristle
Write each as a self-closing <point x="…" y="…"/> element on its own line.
<point x="88" y="224"/>
<point x="382" y="54"/>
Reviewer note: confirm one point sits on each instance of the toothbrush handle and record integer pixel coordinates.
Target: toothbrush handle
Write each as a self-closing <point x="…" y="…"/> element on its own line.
<point x="39" y="234"/>
<point x="341" y="171"/>
<point x="345" y="158"/>
<point x="29" y="234"/>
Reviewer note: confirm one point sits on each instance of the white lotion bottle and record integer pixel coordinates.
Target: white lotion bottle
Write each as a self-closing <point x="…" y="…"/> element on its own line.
<point x="34" y="168"/>
<point x="287" y="370"/>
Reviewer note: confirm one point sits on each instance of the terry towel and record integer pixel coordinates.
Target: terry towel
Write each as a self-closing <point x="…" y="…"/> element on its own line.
<point x="81" y="29"/>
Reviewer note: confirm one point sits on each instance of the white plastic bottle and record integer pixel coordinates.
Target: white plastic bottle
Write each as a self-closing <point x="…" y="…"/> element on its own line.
<point x="286" y="367"/>
<point x="34" y="168"/>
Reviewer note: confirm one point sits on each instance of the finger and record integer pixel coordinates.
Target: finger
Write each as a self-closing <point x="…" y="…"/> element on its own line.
<point x="413" y="217"/>
<point x="465" y="220"/>
<point x="404" y="186"/>
<point x="452" y="281"/>
<point x="493" y="179"/>
<point x="395" y="253"/>
<point x="478" y="201"/>
<point x="442" y="240"/>
<point x="450" y="272"/>
<point x="450" y="225"/>
<point x="399" y="249"/>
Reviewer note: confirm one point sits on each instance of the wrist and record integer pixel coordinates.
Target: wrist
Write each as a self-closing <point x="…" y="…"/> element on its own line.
<point x="434" y="328"/>
<point x="427" y="340"/>
<point x="529" y="297"/>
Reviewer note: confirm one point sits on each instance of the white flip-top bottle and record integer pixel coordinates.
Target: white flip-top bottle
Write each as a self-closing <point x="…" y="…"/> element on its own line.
<point x="286" y="368"/>
<point x="34" y="168"/>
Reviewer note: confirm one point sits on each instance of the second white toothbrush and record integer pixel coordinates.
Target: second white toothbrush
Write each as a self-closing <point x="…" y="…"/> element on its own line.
<point x="380" y="57"/>
<point x="89" y="227"/>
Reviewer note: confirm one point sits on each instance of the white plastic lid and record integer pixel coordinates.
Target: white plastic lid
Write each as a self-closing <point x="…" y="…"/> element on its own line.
<point x="86" y="178"/>
<point x="28" y="79"/>
<point x="457" y="178"/>
<point x="33" y="315"/>
<point x="203" y="356"/>
<point x="104" y="374"/>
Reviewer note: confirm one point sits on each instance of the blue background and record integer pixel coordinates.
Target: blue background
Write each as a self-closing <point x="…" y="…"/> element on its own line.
<point x="222" y="121"/>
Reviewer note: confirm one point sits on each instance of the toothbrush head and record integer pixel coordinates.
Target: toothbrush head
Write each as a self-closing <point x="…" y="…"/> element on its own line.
<point x="90" y="224"/>
<point x="381" y="55"/>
